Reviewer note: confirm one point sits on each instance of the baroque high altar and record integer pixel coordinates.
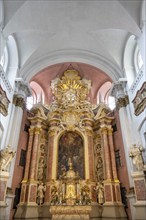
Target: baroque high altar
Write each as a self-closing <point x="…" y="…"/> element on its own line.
<point x="70" y="170"/>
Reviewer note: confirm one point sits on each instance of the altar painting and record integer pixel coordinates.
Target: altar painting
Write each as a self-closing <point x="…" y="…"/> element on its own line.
<point x="71" y="146"/>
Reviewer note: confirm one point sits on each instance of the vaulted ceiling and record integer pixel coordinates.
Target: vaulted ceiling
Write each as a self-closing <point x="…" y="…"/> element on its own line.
<point x="89" y="35"/>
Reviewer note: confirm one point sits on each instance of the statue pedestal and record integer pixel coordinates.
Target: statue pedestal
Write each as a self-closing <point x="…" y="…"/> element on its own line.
<point x="27" y="211"/>
<point x="4" y="176"/>
<point x="70" y="212"/>
<point x="140" y="193"/>
<point x="113" y="210"/>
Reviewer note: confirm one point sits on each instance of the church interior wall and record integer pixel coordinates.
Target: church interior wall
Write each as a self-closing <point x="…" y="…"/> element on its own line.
<point x="19" y="164"/>
<point x="121" y="162"/>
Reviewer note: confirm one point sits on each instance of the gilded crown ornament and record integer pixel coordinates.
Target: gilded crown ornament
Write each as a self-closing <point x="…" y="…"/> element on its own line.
<point x="70" y="91"/>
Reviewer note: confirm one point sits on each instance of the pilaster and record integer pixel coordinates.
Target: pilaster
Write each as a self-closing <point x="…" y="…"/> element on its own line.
<point x="140" y="193"/>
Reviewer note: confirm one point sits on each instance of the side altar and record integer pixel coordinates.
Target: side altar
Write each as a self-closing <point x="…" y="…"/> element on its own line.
<point x="70" y="170"/>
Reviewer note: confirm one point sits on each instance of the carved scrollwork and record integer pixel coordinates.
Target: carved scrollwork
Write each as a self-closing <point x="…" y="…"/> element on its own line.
<point x="139" y="101"/>
<point x="4" y="102"/>
<point x="42" y="163"/>
<point x="98" y="152"/>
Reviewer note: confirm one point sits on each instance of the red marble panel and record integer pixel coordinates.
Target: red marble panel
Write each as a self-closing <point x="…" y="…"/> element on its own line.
<point x="118" y="195"/>
<point x="3" y="185"/>
<point x="50" y="160"/>
<point x="93" y="194"/>
<point x="27" y="192"/>
<point x="90" y="156"/>
<point x="47" y="194"/>
<point x="140" y="189"/>
<point x="33" y="191"/>
<point x="108" y="193"/>
<point x="22" y="199"/>
<point x="114" y="193"/>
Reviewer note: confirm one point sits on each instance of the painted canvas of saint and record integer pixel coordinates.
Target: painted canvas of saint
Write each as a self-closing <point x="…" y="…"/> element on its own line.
<point x="71" y="146"/>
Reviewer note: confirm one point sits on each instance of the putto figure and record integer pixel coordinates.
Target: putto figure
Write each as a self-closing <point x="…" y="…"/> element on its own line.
<point x="6" y="155"/>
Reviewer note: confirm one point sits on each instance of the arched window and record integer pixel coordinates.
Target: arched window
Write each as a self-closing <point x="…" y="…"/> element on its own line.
<point x="132" y="60"/>
<point x="37" y="95"/>
<point x="4" y="59"/>
<point x="104" y="96"/>
<point x="139" y="60"/>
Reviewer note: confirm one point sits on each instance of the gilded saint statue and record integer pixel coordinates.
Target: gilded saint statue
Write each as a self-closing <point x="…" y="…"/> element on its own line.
<point x="100" y="193"/>
<point x="40" y="193"/>
<point x="6" y="155"/>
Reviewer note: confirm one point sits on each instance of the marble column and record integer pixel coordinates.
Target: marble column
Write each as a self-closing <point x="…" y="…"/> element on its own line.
<point x="90" y="157"/>
<point x="31" y="185"/>
<point x="112" y="153"/>
<point x="28" y="156"/>
<point x="116" y="183"/>
<point x="49" y="173"/>
<point x="27" y="207"/>
<point x="27" y="166"/>
<point x="32" y="174"/>
<point x="112" y="208"/>
<point x="107" y="159"/>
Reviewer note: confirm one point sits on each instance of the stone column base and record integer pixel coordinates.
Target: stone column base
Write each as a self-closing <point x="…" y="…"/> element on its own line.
<point x="96" y="212"/>
<point x="3" y="212"/>
<point x="70" y="212"/>
<point x="140" y="210"/>
<point x="113" y="211"/>
<point x="26" y="211"/>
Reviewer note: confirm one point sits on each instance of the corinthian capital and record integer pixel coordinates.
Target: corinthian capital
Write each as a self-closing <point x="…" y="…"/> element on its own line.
<point x="120" y="93"/>
<point x="22" y="88"/>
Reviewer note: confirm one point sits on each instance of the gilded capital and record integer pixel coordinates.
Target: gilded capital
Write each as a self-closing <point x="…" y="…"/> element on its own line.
<point x="31" y="131"/>
<point x="52" y="133"/>
<point x="38" y="130"/>
<point x="110" y="131"/>
<point x="104" y="130"/>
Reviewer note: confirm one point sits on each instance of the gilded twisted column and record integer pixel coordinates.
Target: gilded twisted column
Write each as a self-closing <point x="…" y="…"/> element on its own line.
<point x="37" y="132"/>
<point x="104" y="132"/>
